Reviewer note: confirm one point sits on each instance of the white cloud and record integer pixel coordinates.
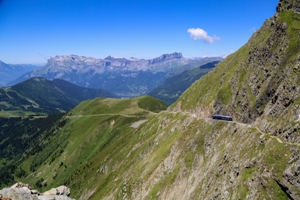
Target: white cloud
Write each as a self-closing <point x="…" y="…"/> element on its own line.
<point x="253" y="29"/>
<point x="200" y="34"/>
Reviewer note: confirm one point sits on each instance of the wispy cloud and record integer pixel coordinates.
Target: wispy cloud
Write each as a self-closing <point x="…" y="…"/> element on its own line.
<point x="200" y="34"/>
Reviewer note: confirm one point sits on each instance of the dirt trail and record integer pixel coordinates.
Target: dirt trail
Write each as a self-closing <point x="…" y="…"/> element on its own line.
<point x="242" y="124"/>
<point x="138" y="123"/>
<point x="97" y="115"/>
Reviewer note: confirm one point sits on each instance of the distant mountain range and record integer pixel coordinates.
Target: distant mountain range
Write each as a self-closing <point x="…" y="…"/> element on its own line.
<point x="39" y="95"/>
<point x="124" y="77"/>
<point x="173" y="87"/>
<point x="9" y="72"/>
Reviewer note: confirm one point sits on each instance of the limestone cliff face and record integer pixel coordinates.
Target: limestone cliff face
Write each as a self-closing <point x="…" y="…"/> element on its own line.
<point x="126" y="77"/>
<point x="166" y="57"/>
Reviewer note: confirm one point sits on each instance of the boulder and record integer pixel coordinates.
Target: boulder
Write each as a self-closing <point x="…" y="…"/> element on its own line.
<point x="63" y="190"/>
<point x="26" y="190"/>
<point x="17" y="194"/>
<point x="53" y="191"/>
<point x="21" y="191"/>
<point x="54" y="197"/>
<point x="21" y="185"/>
<point x="35" y="192"/>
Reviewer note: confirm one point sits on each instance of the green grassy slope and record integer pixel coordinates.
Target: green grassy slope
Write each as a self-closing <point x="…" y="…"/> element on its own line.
<point x="88" y="129"/>
<point x="20" y="138"/>
<point x="168" y="158"/>
<point x="259" y="81"/>
<point x="171" y="156"/>
<point x="173" y="87"/>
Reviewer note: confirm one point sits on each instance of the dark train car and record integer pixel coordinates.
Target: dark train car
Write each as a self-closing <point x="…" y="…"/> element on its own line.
<point x="222" y="117"/>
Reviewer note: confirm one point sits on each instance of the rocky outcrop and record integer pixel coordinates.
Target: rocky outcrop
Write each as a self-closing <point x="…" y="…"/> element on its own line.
<point x="293" y="5"/>
<point x="260" y="83"/>
<point x="21" y="191"/>
<point x="61" y="190"/>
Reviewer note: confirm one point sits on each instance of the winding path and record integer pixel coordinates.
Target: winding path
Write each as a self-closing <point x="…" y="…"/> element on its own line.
<point x="242" y="124"/>
<point x="138" y="123"/>
<point x="97" y="115"/>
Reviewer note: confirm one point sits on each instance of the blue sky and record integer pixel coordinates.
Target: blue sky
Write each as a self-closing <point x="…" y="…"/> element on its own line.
<point x="33" y="30"/>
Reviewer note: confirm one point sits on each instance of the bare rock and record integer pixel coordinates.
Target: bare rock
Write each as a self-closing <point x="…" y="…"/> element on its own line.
<point x="53" y="191"/>
<point x="21" y="191"/>
<point x="21" y="185"/>
<point x="17" y="194"/>
<point x="292" y="173"/>
<point x="54" y="197"/>
<point x="63" y="190"/>
<point x="59" y="193"/>
<point x="35" y="192"/>
<point x="249" y="163"/>
<point x="26" y="189"/>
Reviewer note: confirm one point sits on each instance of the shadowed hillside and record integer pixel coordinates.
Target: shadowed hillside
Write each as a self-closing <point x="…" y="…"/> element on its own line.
<point x="173" y="87"/>
<point x="40" y="96"/>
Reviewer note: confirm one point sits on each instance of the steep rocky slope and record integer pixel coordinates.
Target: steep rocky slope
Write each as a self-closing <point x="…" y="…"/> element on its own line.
<point x="260" y="82"/>
<point x="171" y="156"/>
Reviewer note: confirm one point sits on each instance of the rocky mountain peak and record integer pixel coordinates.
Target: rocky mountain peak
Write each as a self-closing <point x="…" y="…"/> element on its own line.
<point x="260" y="82"/>
<point x="166" y="57"/>
<point x="70" y="58"/>
<point x="293" y="5"/>
<point x="108" y="58"/>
